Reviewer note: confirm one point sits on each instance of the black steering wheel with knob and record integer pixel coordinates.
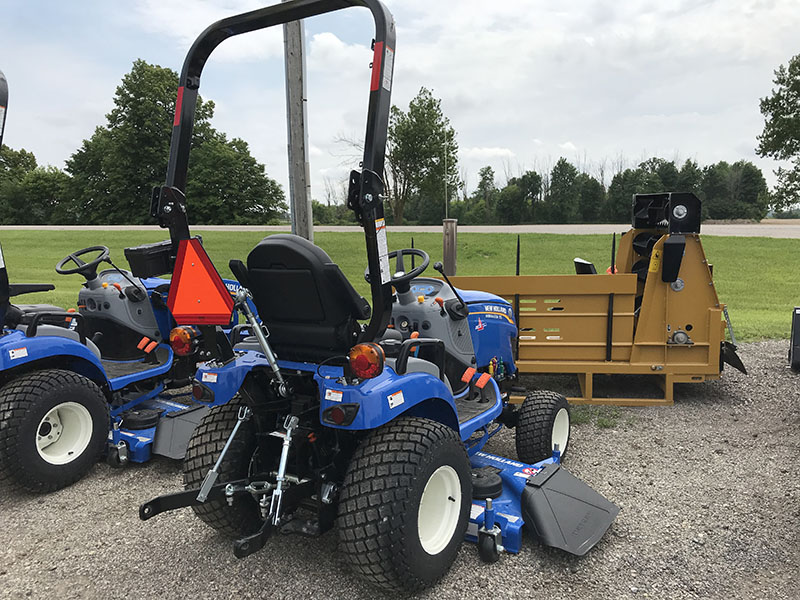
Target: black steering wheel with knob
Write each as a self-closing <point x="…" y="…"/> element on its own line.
<point x="401" y="280"/>
<point x="87" y="269"/>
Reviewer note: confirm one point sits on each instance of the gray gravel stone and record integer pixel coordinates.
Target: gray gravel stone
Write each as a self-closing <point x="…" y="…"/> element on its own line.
<point x="709" y="490"/>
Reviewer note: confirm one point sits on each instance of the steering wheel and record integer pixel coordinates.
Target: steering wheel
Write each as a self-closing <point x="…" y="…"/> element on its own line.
<point x="400" y="279"/>
<point x="87" y="269"/>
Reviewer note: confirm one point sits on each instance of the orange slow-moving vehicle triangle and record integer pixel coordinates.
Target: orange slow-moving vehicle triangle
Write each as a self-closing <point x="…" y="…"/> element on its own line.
<point x="197" y="295"/>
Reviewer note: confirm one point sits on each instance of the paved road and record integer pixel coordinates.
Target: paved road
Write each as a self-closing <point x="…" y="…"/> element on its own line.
<point x="772" y="228"/>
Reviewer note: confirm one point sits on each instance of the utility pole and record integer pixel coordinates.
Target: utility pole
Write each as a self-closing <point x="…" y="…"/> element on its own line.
<point x="446" y="199"/>
<point x="3" y="105"/>
<point x="297" y="136"/>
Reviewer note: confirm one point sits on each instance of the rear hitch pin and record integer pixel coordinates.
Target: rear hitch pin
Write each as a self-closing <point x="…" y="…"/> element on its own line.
<point x="211" y="477"/>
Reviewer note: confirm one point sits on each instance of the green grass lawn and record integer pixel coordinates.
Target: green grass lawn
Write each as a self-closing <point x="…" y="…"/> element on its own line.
<point x="756" y="277"/>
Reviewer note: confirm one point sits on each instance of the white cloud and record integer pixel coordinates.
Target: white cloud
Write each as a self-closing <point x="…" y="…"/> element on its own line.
<point x="184" y="20"/>
<point x="521" y="82"/>
<point x="486" y="153"/>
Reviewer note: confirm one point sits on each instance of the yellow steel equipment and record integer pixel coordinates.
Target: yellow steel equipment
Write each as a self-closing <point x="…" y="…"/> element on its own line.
<point x="658" y="315"/>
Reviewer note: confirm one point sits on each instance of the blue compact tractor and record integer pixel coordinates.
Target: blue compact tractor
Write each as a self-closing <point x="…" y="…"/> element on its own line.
<point x="372" y="416"/>
<point x="76" y="386"/>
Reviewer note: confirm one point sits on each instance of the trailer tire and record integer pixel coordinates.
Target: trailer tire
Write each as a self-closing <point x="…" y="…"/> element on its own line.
<point x="243" y="517"/>
<point x="53" y="429"/>
<point x="544" y="420"/>
<point x="404" y="505"/>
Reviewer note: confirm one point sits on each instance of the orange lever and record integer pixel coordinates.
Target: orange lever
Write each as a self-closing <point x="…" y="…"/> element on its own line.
<point x="440" y="301"/>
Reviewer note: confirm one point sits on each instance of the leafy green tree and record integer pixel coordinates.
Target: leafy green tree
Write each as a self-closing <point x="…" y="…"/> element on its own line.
<point x="530" y="185"/>
<point x="737" y="191"/>
<point x="35" y="199"/>
<point x="480" y="208"/>
<point x="114" y="171"/>
<point x="620" y="193"/>
<point x="665" y="170"/>
<point x="592" y="197"/>
<point x="563" y="199"/>
<point x="332" y="214"/>
<point x="690" y="178"/>
<point x="15" y="163"/>
<point x="421" y="160"/>
<point x="511" y="207"/>
<point x="781" y="136"/>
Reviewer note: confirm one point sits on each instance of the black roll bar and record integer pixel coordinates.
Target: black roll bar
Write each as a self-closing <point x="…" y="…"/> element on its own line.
<point x="169" y="202"/>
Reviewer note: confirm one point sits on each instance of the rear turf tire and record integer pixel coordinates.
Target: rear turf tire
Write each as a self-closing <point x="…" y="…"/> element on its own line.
<point x="544" y="420"/>
<point x="405" y="504"/>
<point x="53" y="429"/>
<point x="205" y="445"/>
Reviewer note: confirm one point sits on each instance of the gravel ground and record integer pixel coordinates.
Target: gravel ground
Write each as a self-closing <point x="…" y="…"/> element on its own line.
<point x="709" y="490"/>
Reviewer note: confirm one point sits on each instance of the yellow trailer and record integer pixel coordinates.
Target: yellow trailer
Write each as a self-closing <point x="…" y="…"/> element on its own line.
<point x="658" y="315"/>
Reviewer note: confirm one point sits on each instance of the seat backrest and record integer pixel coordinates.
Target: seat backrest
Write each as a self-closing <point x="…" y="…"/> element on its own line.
<point x="304" y="299"/>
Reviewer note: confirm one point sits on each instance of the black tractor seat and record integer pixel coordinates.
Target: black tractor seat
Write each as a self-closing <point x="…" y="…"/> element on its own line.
<point x="311" y="310"/>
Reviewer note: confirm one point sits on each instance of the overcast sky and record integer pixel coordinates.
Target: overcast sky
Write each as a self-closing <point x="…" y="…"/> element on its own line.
<point x="522" y="82"/>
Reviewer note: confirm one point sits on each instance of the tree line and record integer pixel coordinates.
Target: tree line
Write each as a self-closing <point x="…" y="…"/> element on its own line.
<point x="108" y="180"/>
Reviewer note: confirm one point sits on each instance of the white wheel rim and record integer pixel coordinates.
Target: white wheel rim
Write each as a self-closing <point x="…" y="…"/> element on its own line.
<point x="439" y="509"/>
<point x="64" y="433"/>
<point x="561" y="430"/>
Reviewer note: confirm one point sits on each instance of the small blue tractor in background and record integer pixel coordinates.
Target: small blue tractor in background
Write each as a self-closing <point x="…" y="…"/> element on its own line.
<point x="379" y="426"/>
<point x="75" y="386"/>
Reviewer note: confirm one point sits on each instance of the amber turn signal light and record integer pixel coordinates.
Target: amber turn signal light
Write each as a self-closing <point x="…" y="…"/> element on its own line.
<point x="184" y="340"/>
<point x="366" y="360"/>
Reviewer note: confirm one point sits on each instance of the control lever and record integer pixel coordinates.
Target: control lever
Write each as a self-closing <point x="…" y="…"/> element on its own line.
<point x="461" y="310"/>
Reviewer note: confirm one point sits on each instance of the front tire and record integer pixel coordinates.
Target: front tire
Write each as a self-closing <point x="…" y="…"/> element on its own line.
<point x="243" y="517"/>
<point x="404" y="506"/>
<point x="53" y="429"/>
<point x="544" y="421"/>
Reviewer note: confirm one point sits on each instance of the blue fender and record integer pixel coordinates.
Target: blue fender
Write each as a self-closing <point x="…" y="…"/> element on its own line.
<point x="225" y="380"/>
<point x="387" y="396"/>
<point x="16" y="350"/>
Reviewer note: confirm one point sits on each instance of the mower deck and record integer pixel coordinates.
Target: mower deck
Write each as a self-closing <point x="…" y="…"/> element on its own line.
<point x="560" y="510"/>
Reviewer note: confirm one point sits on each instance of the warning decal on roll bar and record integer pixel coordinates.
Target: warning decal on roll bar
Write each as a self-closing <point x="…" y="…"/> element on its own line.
<point x="383" y="250"/>
<point x="388" y="64"/>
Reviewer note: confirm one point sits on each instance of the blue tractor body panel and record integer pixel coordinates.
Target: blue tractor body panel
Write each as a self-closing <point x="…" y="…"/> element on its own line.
<point x="493" y="330"/>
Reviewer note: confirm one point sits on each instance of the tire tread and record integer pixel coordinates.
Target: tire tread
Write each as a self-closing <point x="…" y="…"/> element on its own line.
<point x="374" y="503"/>
<point x="17" y="399"/>
<point x="534" y="429"/>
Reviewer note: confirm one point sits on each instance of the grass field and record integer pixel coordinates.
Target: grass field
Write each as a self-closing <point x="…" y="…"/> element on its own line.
<point x="757" y="277"/>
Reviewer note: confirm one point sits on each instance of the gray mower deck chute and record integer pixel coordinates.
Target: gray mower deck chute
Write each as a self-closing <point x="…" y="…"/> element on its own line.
<point x="563" y="512"/>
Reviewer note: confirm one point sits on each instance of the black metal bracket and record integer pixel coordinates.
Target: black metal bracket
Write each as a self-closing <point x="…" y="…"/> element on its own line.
<point x="161" y="504"/>
<point x="353" y="195"/>
<point x="168" y="206"/>
<point x="253" y="543"/>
